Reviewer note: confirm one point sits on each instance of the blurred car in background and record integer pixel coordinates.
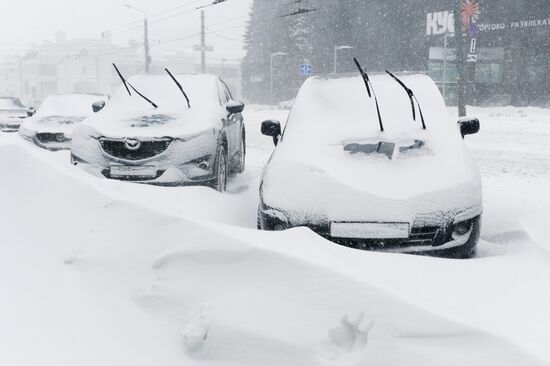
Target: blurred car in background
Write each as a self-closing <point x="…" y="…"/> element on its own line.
<point x="53" y="124"/>
<point x="368" y="175"/>
<point x="12" y="114"/>
<point x="165" y="130"/>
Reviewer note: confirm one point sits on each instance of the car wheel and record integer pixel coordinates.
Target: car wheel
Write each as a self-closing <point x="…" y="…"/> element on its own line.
<point x="242" y="157"/>
<point x="258" y="220"/>
<point x="220" y="183"/>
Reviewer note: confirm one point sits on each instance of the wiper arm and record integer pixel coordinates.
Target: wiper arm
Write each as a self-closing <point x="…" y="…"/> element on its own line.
<point x="122" y="78"/>
<point x="370" y="91"/>
<point x="412" y="98"/>
<point x="180" y="87"/>
<point x="127" y="84"/>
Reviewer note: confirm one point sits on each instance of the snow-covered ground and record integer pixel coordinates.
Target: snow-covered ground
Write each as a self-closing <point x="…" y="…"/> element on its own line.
<point x="98" y="272"/>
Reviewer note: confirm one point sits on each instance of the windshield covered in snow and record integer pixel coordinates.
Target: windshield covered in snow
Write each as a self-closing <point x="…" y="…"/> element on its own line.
<point x="70" y="105"/>
<point x="202" y="91"/>
<point x="336" y="111"/>
<point x="10" y="103"/>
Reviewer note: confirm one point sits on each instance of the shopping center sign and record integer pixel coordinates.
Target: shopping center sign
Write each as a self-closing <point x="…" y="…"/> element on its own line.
<point x="443" y="22"/>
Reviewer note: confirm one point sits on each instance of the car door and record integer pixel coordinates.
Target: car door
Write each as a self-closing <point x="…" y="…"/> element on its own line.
<point x="234" y="126"/>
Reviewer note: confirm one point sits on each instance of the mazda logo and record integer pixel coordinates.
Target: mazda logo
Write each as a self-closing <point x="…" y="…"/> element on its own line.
<point x="132" y="145"/>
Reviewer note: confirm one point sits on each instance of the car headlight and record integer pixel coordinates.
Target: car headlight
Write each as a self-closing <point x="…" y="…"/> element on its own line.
<point x="202" y="162"/>
<point x="462" y="228"/>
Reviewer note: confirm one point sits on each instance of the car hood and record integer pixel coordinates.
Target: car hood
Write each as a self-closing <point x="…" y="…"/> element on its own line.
<point x="12" y="114"/>
<point x="149" y="122"/>
<point x="334" y="183"/>
<point x="52" y="124"/>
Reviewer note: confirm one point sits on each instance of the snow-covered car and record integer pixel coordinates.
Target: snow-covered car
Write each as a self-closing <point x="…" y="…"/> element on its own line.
<point x="12" y="114"/>
<point x="165" y="130"/>
<point x="53" y="124"/>
<point x="365" y="173"/>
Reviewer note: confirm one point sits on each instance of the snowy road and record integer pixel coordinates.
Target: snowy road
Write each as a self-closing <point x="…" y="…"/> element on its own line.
<point x="102" y="272"/>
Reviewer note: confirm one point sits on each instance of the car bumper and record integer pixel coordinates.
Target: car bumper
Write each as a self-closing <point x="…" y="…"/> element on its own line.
<point x="426" y="237"/>
<point x="175" y="163"/>
<point x="9" y="126"/>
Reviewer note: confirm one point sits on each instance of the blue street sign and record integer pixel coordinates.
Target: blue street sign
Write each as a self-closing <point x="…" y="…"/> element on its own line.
<point x="306" y="69"/>
<point x="473" y="30"/>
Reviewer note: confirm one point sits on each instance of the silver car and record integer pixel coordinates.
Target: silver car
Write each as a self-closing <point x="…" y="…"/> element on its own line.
<point x="53" y="124"/>
<point x="12" y="114"/>
<point x="165" y="130"/>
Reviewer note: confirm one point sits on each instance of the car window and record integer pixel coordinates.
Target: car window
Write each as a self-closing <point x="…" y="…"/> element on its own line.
<point x="222" y="94"/>
<point x="226" y="90"/>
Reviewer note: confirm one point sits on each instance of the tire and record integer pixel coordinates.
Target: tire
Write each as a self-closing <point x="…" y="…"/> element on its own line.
<point x="258" y="220"/>
<point x="242" y="159"/>
<point x="220" y="182"/>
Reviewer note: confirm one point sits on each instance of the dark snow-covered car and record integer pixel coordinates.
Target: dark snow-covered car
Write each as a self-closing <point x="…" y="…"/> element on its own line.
<point x="53" y="124"/>
<point x="12" y="113"/>
<point x="368" y="173"/>
<point x="165" y="130"/>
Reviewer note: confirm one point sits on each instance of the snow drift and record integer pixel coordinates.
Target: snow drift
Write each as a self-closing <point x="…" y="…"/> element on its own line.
<point x="90" y="279"/>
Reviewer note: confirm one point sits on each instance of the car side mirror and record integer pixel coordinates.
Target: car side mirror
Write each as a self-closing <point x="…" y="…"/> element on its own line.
<point x="234" y="107"/>
<point x="469" y="126"/>
<point x="97" y="106"/>
<point x="31" y="111"/>
<point x="272" y="128"/>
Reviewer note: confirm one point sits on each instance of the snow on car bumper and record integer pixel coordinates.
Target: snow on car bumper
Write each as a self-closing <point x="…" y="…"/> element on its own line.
<point x="429" y="234"/>
<point x="10" y="126"/>
<point x="178" y="162"/>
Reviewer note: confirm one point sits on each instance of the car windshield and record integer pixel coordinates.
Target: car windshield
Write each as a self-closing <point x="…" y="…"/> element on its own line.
<point x="201" y="89"/>
<point x="10" y="103"/>
<point x="333" y="111"/>
<point x="71" y="105"/>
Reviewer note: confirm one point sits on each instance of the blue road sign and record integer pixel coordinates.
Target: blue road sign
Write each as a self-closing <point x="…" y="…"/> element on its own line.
<point x="306" y="69"/>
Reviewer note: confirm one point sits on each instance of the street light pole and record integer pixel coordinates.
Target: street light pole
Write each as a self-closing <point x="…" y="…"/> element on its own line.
<point x="272" y="55"/>
<point x="336" y="49"/>
<point x="145" y="37"/>
<point x="459" y="44"/>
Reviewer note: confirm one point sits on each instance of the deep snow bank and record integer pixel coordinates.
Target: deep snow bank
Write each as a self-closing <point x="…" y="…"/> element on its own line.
<point x="91" y="279"/>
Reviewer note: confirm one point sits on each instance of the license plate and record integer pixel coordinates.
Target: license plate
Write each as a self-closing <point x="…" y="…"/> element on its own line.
<point x="133" y="171"/>
<point x="360" y="230"/>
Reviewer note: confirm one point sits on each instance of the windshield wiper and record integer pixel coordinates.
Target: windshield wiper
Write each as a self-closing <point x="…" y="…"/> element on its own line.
<point x="412" y="98"/>
<point x="180" y="87"/>
<point x="370" y="91"/>
<point x="127" y="84"/>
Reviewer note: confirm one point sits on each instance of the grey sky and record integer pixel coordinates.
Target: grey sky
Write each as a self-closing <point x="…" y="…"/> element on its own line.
<point x="23" y="22"/>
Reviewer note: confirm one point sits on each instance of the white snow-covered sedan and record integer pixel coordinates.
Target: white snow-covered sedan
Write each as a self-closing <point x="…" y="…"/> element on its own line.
<point x="12" y="114"/>
<point x="53" y="124"/>
<point x="358" y="167"/>
<point x="165" y="130"/>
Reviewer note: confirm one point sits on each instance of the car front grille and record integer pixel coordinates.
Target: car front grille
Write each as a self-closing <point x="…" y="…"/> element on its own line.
<point x="420" y="236"/>
<point x="129" y="149"/>
<point x="46" y="138"/>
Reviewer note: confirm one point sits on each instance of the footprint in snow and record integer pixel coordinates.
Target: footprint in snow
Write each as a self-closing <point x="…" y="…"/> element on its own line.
<point x="195" y="332"/>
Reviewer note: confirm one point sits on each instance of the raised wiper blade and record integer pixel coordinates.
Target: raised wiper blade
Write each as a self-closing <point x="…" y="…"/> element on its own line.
<point x="127" y="84"/>
<point x="370" y="91"/>
<point x="122" y="78"/>
<point x="412" y="98"/>
<point x="180" y="87"/>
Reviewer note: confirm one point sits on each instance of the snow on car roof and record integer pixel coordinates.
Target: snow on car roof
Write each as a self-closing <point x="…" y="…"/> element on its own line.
<point x="69" y="105"/>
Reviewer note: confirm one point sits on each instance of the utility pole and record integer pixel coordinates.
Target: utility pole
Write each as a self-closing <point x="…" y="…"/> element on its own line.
<point x="203" y="43"/>
<point x="147" y="50"/>
<point x="461" y="67"/>
<point x="145" y="37"/>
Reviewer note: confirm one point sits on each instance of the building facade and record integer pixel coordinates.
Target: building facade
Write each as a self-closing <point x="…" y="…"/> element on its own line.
<point x="507" y="45"/>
